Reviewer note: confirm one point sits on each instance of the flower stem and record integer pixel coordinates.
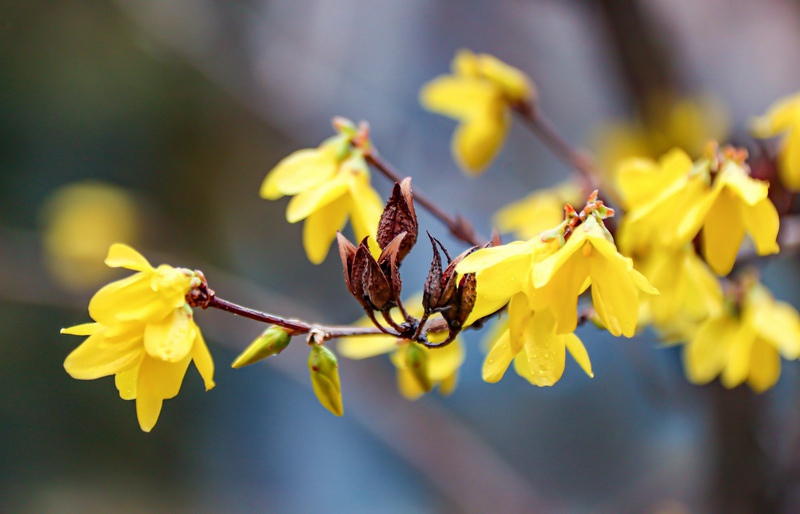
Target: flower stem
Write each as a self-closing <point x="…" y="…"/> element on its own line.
<point x="458" y="226"/>
<point x="543" y="128"/>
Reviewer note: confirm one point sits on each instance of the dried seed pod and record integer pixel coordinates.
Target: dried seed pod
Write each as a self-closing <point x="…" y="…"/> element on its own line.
<point x="399" y="216"/>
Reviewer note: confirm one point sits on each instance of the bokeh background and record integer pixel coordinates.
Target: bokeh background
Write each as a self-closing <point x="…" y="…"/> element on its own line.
<point x="154" y="122"/>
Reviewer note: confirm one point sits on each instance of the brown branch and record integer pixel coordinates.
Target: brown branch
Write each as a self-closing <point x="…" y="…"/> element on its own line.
<point x="459" y="227"/>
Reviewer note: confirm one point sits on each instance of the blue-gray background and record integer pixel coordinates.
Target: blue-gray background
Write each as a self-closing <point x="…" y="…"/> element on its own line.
<point x="187" y="104"/>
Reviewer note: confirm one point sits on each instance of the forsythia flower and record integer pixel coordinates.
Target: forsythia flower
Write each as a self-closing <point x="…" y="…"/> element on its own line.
<point x="688" y="123"/>
<point x="479" y="95"/>
<point x="784" y="117"/>
<point x="680" y="199"/>
<point x="144" y="334"/>
<point x="329" y="184"/>
<point x="744" y="341"/>
<point x="419" y="369"/>
<point x="541" y="280"/>
<point x="541" y="210"/>
<point x="690" y="292"/>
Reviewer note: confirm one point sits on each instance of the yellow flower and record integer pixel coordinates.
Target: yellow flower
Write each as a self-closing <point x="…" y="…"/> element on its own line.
<point x="144" y="334"/>
<point x="541" y="280"/>
<point x="687" y="123"/>
<point x="479" y="95"/>
<point x="529" y="339"/>
<point x="745" y="342"/>
<point x="680" y="200"/>
<point x="690" y="292"/>
<point x="81" y="220"/>
<point x="329" y="184"/>
<point x="589" y="257"/>
<point x="440" y="366"/>
<point x="784" y="117"/>
<point x="541" y="210"/>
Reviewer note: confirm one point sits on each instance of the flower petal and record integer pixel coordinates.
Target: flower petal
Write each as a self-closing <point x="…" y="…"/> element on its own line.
<point x="478" y="140"/>
<point x="614" y="295"/>
<point x="363" y="347"/>
<point x="762" y="223"/>
<point x="739" y="352"/>
<point x="127" y="381"/>
<point x="171" y="340"/>
<point x="93" y="359"/>
<point x="86" y="329"/>
<point x="765" y="366"/>
<point x="579" y="353"/>
<point x="320" y="228"/>
<point x="301" y="171"/>
<point x="366" y="208"/>
<point x="461" y="98"/>
<point x="704" y="356"/>
<point x="308" y="202"/>
<point x="203" y="361"/>
<point x="723" y="233"/>
<point x="123" y="256"/>
<point x="498" y="359"/>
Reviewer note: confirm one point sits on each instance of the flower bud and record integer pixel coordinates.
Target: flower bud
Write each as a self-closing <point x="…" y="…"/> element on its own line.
<point x="271" y="342"/>
<point x="324" y="371"/>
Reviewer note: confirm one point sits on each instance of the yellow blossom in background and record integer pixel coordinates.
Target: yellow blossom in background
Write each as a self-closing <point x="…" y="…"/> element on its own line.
<point x="479" y="94"/>
<point x="690" y="292"/>
<point x="680" y="199"/>
<point x="329" y="184"/>
<point x="144" y="334"/>
<point x="783" y="117"/>
<point x="440" y="366"/>
<point x="745" y="341"/>
<point x="688" y="123"/>
<point x="80" y="221"/>
<point x="541" y="210"/>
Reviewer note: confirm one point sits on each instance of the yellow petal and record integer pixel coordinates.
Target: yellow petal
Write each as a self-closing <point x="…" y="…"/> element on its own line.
<point x="614" y="295"/>
<point x="123" y="256"/>
<point x="203" y="361"/>
<point x="544" y="360"/>
<point x="520" y="318"/>
<point x="366" y="208"/>
<point x="148" y="408"/>
<point x="86" y="329"/>
<point x="126" y="381"/>
<point x="762" y="224"/>
<point x="363" y="347"/>
<point x="498" y="359"/>
<point x="565" y="284"/>
<point x="320" y="229"/>
<point x="733" y="177"/>
<point x="171" y="340"/>
<point x="780" y="116"/>
<point x="515" y="85"/>
<point x="448" y="385"/>
<point x="739" y="352"/>
<point x="477" y="141"/>
<point x="445" y="361"/>
<point x="579" y="353"/>
<point x="723" y="233"/>
<point x="779" y="324"/>
<point x="130" y="293"/>
<point x="160" y="378"/>
<point x="765" y="366"/>
<point x="789" y="160"/>
<point x="408" y="385"/>
<point x="462" y="98"/>
<point x="94" y="359"/>
<point x="704" y="356"/>
<point x="304" y="204"/>
<point x="301" y="171"/>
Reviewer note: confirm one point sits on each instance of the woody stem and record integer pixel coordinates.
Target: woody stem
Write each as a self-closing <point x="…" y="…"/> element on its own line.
<point x="458" y="226"/>
<point x="295" y="326"/>
<point x="544" y="129"/>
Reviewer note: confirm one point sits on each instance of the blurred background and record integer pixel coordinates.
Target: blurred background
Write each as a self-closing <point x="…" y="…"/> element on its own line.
<point x="153" y="122"/>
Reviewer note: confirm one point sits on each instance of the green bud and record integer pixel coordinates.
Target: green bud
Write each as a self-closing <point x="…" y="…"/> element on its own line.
<point x="417" y="364"/>
<point x="324" y="369"/>
<point x="271" y="342"/>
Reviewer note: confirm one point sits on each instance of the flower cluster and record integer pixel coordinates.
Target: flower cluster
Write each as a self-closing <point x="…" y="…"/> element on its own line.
<point x="144" y="334"/>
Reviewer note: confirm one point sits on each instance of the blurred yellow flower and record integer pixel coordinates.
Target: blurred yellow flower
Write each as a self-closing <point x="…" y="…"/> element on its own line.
<point x="687" y="123"/>
<point x="80" y="221"/>
<point x="784" y="117"/>
<point x="541" y="210"/>
<point x="745" y="341"/>
<point x="329" y="184"/>
<point x="479" y="94"/>
<point x="437" y="366"/>
<point x="690" y="292"/>
<point x="144" y="334"/>
<point x="680" y="200"/>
